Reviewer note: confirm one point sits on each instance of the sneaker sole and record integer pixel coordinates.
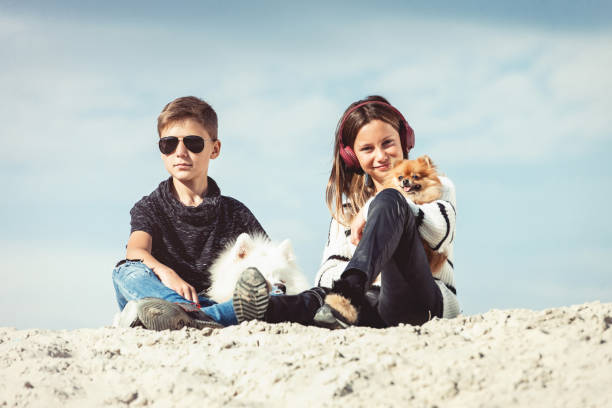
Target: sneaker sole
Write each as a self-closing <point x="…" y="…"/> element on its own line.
<point x="159" y="314"/>
<point x="128" y="317"/>
<point x="250" y="296"/>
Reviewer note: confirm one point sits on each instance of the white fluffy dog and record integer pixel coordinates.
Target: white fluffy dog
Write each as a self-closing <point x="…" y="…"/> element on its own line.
<point x="276" y="262"/>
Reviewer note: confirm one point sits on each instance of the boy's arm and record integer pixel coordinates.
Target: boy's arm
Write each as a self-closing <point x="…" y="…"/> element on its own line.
<point x="139" y="247"/>
<point x="244" y="218"/>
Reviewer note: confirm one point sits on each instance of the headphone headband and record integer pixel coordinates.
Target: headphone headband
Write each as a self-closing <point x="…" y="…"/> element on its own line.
<point x="346" y="152"/>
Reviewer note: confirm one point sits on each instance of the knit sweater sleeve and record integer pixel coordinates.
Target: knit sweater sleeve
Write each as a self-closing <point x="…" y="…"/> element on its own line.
<point x="336" y="254"/>
<point x="435" y="220"/>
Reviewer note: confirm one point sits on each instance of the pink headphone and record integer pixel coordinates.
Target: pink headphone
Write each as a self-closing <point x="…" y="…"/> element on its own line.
<point x="348" y="155"/>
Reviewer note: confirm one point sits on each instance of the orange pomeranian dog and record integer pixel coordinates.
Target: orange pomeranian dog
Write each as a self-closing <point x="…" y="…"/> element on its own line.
<point x="418" y="180"/>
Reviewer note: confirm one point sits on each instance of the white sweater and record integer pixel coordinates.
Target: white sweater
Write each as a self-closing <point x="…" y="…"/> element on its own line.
<point x="436" y="225"/>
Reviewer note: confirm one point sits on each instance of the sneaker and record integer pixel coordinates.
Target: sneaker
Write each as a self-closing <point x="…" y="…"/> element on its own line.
<point x="128" y="317"/>
<point x="159" y="314"/>
<point x="251" y="296"/>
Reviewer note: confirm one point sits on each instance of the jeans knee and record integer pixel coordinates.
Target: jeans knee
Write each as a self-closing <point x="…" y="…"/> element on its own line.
<point x="388" y="196"/>
<point x="131" y="270"/>
<point x="389" y="199"/>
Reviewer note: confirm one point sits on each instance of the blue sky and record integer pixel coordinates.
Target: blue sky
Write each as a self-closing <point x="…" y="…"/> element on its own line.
<point x="511" y="100"/>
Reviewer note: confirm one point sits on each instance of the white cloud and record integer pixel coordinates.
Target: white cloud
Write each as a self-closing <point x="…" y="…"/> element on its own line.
<point x="475" y="91"/>
<point x="499" y="94"/>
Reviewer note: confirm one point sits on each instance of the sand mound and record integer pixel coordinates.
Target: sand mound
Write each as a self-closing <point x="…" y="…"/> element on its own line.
<point x="557" y="357"/>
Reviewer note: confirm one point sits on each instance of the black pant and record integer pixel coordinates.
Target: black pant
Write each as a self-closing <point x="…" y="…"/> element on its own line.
<point x="391" y="244"/>
<point x="299" y="308"/>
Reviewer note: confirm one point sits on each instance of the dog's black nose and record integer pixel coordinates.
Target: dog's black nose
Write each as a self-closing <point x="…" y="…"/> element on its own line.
<point x="405" y="182"/>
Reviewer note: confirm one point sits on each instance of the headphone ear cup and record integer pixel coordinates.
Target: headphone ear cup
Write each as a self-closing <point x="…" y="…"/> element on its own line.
<point x="407" y="138"/>
<point x="349" y="157"/>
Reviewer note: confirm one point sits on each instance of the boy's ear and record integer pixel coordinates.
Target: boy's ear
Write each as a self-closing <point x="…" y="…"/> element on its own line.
<point x="242" y="246"/>
<point x="216" y="149"/>
<point x="287" y="250"/>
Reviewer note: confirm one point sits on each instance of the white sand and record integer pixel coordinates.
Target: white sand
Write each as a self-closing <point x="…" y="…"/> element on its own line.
<point x="552" y="358"/>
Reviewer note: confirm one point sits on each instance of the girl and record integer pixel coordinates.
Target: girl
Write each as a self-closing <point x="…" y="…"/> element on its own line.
<point x="385" y="229"/>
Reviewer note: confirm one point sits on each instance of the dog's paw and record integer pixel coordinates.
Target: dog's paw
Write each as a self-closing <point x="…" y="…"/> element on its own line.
<point x="353" y="293"/>
<point x="343" y="306"/>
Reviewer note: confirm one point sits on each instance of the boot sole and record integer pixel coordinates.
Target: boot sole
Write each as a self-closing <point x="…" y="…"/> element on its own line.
<point x="329" y="318"/>
<point x="159" y="314"/>
<point x="250" y="296"/>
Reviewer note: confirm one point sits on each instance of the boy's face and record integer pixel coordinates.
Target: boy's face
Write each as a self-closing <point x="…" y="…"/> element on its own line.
<point x="183" y="164"/>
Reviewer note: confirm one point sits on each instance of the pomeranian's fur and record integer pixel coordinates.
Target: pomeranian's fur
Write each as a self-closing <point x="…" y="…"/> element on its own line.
<point x="276" y="262"/>
<point x="418" y="180"/>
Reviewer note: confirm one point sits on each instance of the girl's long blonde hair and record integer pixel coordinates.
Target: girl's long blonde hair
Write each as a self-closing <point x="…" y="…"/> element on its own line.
<point x="348" y="190"/>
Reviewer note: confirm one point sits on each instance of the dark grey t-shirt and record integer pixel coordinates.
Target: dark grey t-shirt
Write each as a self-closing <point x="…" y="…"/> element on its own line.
<point x="188" y="239"/>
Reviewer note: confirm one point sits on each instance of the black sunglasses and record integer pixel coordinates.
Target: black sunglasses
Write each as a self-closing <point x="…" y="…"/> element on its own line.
<point x="193" y="143"/>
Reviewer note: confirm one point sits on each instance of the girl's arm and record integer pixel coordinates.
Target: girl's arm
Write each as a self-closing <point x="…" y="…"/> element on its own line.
<point x="336" y="255"/>
<point x="139" y="246"/>
<point x="436" y="220"/>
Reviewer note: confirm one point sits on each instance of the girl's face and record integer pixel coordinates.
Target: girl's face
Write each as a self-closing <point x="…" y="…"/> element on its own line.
<point x="378" y="147"/>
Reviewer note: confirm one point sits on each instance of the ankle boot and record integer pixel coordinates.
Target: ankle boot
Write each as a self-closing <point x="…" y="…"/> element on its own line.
<point x="343" y="305"/>
<point x="299" y="308"/>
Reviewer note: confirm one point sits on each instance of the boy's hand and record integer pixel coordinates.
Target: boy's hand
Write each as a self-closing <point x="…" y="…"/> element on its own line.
<point x="357" y="225"/>
<point x="171" y="279"/>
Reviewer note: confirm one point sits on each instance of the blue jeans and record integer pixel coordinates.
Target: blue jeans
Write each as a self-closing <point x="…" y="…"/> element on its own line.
<point x="134" y="280"/>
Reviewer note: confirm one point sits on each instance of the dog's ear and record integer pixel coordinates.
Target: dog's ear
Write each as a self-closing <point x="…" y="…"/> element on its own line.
<point x="426" y="160"/>
<point x="243" y="245"/>
<point x="287" y="250"/>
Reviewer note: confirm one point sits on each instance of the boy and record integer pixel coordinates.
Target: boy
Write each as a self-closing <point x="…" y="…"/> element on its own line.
<point x="179" y="229"/>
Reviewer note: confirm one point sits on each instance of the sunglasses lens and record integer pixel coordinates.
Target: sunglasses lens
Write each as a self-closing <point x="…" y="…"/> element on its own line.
<point x="168" y="144"/>
<point x="194" y="143"/>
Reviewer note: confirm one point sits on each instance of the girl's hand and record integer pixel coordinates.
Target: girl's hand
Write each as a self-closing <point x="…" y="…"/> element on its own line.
<point x="357" y="225"/>
<point x="171" y="279"/>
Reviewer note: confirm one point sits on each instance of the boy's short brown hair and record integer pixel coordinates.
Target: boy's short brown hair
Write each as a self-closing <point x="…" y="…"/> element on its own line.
<point x="189" y="107"/>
